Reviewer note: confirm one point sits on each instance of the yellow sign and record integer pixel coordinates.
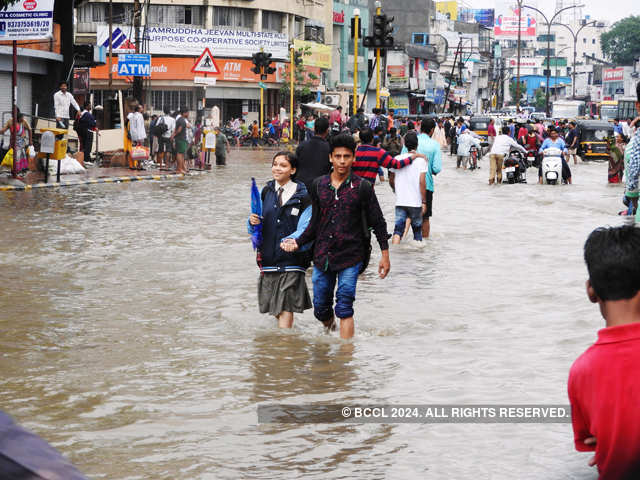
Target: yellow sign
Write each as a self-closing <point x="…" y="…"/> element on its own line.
<point x="320" y="54"/>
<point x="448" y="8"/>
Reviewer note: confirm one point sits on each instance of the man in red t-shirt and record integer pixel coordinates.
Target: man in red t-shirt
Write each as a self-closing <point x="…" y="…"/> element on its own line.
<point x="604" y="382"/>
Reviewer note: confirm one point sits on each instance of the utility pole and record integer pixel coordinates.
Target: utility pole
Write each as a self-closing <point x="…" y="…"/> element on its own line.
<point x="110" y="44"/>
<point x="378" y="13"/>
<point x="453" y="69"/>
<point x="137" y="81"/>
<point x="14" y="108"/>
<point x="292" y="67"/>
<point x="356" y="29"/>
<point x="518" y="66"/>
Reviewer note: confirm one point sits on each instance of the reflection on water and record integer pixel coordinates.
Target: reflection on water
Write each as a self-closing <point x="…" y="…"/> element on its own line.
<point x="131" y="337"/>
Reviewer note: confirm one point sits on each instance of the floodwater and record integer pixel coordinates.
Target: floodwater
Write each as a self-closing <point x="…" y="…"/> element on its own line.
<point x="131" y="338"/>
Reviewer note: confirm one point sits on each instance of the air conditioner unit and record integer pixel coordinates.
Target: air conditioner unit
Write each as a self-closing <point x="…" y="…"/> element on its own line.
<point x="332" y="100"/>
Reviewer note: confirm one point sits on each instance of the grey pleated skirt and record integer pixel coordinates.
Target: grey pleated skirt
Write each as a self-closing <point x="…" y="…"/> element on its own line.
<point x="283" y="292"/>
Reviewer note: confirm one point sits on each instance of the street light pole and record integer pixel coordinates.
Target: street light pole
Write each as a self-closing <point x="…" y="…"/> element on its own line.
<point x="378" y="12"/>
<point x="575" y="46"/>
<point x="549" y="45"/>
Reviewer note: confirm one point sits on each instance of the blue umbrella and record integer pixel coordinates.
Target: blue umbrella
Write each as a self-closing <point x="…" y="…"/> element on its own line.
<point x="256" y="207"/>
<point x="24" y="455"/>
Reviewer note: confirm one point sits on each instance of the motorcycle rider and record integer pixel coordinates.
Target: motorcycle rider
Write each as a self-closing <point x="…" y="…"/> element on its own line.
<point x="531" y="141"/>
<point x="554" y="141"/>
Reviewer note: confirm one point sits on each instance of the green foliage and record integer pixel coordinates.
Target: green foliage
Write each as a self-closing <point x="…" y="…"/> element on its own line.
<point x="7" y="3"/>
<point x="540" y="101"/>
<point x="304" y="88"/>
<point x="621" y="44"/>
<point x="513" y="90"/>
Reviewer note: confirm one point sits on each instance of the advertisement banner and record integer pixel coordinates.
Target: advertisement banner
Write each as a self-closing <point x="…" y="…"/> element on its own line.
<point x="320" y="54"/>
<point x="81" y="80"/>
<point x="525" y="62"/>
<point x="483" y="16"/>
<point x="193" y="41"/>
<point x="27" y="20"/>
<point x="506" y="21"/>
<point x="438" y="97"/>
<point x="397" y="70"/>
<point x="613" y="74"/>
<point x="448" y="8"/>
<point x="399" y="104"/>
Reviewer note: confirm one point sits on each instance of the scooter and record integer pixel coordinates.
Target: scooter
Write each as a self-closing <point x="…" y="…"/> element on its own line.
<point x="532" y="159"/>
<point x="514" y="170"/>
<point x="552" y="166"/>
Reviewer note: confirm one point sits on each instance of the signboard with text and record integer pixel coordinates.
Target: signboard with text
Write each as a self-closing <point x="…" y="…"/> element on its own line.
<point x="134" y="65"/>
<point x="192" y="41"/>
<point x="506" y="21"/>
<point x="613" y="75"/>
<point x="27" y="20"/>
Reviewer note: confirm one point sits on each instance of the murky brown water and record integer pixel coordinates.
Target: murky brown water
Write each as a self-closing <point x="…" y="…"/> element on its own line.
<point x="131" y="338"/>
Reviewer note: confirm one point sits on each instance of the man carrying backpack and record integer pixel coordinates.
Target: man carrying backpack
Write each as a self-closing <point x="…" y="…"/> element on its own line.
<point x="341" y="204"/>
<point x="163" y="129"/>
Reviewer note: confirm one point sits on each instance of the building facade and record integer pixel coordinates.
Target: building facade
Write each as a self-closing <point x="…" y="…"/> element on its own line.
<point x="177" y="32"/>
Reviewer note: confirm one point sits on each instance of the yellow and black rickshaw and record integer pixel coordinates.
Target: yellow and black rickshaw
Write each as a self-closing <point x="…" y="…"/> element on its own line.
<point x="480" y="126"/>
<point x="593" y="139"/>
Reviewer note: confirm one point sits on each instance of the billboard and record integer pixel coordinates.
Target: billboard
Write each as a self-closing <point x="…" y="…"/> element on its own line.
<point x="320" y="53"/>
<point x="397" y="70"/>
<point x="506" y="21"/>
<point x="483" y="16"/>
<point x="613" y="74"/>
<point x="27" y="20"/>
<point x="448" y="8"/>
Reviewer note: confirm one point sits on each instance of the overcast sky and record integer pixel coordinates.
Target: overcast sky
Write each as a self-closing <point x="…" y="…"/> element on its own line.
<point x="611" y="10"/>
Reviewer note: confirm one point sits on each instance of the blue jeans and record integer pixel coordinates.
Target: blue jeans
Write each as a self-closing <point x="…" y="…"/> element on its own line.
<point x="324" y="284"/>
<point x="415" y="214"/>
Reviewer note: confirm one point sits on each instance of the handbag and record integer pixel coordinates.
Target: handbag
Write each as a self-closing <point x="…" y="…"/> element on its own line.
<point x="139" y="153"/>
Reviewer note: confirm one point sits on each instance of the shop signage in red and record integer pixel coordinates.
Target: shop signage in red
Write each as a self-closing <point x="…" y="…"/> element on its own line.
<point x="613" y="75"/>
<point x="338" y="17"/>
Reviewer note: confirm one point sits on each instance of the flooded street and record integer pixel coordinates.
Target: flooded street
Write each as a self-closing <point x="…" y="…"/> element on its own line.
<point x="131" y="338"/>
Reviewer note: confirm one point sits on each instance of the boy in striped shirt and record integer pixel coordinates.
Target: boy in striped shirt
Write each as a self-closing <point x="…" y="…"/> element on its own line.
<point x="370" y="158"/>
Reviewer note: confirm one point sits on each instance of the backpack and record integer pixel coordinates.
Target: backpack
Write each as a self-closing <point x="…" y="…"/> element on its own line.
<point x="160" y="128"/>
<point x="365" y="189"/>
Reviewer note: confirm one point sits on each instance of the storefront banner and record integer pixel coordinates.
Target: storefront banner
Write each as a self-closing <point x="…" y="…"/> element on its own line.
<point x="448" y="8"/>
<point x="525" y="62"/>
<point x="438" y="97"/>
<point x="320" y="54"/>
<point x="613" y="75"/>
<point x="483" y="16"/>
<point x="27" y="20"/>
<point x="399" y="104"/>
<point x="506" y="21"/>
<point x="397" y="70"/>
<point x="231" y="70"/>
<point x="193" y="41"/>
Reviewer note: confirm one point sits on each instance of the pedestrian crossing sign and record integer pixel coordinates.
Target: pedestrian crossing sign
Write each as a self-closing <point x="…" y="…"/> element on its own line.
<point x="205" y="63"/>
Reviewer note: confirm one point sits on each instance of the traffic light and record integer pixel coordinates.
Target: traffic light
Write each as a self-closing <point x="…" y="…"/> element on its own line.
<point x="268" y="69"/>
<point x="297" y="58"/>
<point x="256" y="58"/>
<point x="382" y="30"/>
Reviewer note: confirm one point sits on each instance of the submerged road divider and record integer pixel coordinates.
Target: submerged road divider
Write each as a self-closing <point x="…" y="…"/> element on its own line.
<point x="94" y="180"/>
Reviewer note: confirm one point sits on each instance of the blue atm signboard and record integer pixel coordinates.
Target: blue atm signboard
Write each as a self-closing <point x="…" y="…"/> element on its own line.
<point x="134" y="65"/>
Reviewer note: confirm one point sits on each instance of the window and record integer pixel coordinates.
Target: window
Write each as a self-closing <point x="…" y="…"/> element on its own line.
<point x="298" y="28"/>
<point x="172" y="99"/>
<point x="271" y="21"/>
<point x="584" y="40"/>
<point x="593" y="41"/>
<point x="314" y="34"/>
<point x="419" y="38"/>
<point x="122" y="13"/>
<point x="233" y="17"/>
<point x="254" y="105"/>
<point x="169" y="15"/>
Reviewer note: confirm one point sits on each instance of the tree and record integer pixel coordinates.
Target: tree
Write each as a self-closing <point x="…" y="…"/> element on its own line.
<point x="620" y="44"/>
<point x="302" y="80"/>
<point x="540" y="101"/>
<point x="513" y="90"/>
<point x="7" y="3"/>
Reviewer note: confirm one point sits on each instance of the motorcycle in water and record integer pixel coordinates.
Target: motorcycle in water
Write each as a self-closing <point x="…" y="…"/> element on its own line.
<point x="532" y="159"/>
<point x="514" y="169"/>
<point x="552" y="166"/>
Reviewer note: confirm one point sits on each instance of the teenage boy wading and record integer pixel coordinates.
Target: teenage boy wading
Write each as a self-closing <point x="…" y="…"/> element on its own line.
<point x="336" y="228"/>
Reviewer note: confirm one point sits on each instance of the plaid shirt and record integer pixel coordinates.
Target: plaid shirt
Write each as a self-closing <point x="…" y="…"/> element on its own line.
<point x="632" y="153"/>
<point x="336" y="224"/>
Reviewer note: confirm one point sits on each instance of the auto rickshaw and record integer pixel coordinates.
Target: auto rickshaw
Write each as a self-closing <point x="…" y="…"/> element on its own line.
<point x="480" y="126"/>
<point x="593" y="139"/>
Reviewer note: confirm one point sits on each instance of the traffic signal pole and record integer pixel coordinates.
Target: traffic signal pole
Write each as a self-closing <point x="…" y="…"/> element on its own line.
<point x="378" y="12"/>
<point x="356" y="24"/>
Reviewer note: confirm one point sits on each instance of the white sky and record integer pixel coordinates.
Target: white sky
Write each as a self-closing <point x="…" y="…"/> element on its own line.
<point x="611" y="10"/>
